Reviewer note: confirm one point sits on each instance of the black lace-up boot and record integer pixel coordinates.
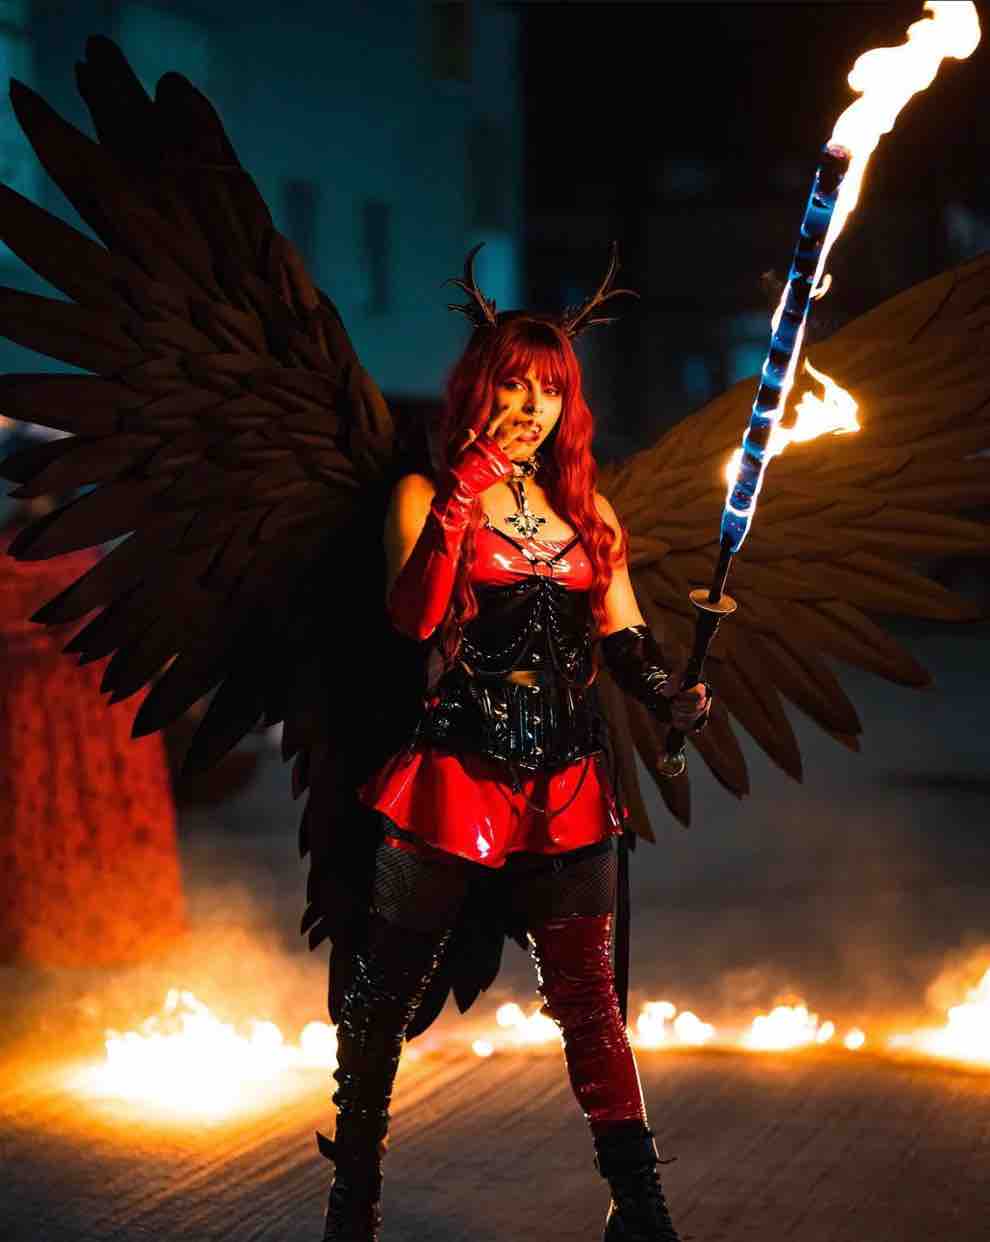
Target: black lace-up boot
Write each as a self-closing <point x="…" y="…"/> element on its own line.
<point x="391" y="974"/>
<point x="628" y="1159"/>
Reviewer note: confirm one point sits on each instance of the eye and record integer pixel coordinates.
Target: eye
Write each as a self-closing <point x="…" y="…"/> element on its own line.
<point x="552" y="390"/>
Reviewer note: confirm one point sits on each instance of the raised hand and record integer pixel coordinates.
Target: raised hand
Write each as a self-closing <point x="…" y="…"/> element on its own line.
<point x="505" y="429"/>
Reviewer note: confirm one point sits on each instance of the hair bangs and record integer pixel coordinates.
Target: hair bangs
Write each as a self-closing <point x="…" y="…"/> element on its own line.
<point x="537" y="345"/>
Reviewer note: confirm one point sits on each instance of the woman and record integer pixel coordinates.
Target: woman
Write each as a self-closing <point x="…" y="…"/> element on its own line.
<point x="510" y="563"/>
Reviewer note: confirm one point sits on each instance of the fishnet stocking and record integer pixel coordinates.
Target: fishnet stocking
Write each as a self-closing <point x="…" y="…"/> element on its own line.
<point x="417" y="892"/>
<point x="425" y="894"/>
<point x="579" y="882"/>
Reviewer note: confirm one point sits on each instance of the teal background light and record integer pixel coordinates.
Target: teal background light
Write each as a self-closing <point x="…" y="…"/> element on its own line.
<point x="387" y="137"/>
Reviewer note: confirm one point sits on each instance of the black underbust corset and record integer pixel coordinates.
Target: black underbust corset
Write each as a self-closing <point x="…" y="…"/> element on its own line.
<point x="536" y="625"/>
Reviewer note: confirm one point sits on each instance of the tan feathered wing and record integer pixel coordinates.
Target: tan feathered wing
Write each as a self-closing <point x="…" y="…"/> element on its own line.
<point x="843" y="528"/>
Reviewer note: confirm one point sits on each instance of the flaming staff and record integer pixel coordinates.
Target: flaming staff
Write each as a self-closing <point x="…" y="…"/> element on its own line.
<point x="885" y="78"/>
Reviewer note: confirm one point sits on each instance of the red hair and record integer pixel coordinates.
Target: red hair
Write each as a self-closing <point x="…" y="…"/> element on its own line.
<point x="568" y="471"/>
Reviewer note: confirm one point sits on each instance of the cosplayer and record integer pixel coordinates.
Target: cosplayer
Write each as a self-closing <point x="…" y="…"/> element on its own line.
<point x="515" y="564"/>
<point x="467" y="742"/>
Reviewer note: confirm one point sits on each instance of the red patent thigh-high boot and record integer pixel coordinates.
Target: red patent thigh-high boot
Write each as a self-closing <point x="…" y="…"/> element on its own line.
<point x="574" y="968"/>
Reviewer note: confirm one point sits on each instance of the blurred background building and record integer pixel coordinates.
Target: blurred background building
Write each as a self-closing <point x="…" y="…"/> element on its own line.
<point x="386" y="138"/>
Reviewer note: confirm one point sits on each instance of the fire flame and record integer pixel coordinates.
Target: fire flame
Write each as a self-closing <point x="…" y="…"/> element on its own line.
<point x="833" y="413"/>
<point x="187" y="1062"/>
<point x="651" y="1026"/>
<point x="537" y="1028"/>
<point x="787" y="1026"/>
<point x="793" y="1026"/>
<point x="966" y="1035"/>
<point x="660" y="1025"/>
<point x="885" y="79"/>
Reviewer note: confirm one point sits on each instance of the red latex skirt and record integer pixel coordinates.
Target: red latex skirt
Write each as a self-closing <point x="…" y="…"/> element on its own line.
<point x="464" y="805"/>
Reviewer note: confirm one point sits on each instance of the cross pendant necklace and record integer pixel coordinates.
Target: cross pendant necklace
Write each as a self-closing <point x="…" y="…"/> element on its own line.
<point x="524" y="521"/>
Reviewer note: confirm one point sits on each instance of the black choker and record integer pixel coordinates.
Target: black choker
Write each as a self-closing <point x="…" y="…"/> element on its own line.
<point x="526" y="469"/>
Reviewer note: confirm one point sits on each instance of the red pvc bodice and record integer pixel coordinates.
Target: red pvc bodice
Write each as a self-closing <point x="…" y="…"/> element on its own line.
<point x="462" y="804"/>
<point x="502" y="558"/>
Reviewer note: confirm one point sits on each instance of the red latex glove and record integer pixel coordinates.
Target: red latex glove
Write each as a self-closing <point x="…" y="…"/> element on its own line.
<point x="420" y="595"/>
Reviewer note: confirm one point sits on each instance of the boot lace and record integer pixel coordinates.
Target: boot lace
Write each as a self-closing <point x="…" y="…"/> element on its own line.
<point x="639" y="1210"/>
<point x="639" y="1200"/>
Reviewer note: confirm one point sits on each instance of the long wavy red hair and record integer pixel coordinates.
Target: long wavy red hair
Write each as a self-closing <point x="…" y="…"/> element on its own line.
<point x="568" y="471"/>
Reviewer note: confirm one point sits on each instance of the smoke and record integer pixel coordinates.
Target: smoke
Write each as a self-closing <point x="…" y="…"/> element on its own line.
<point x="963" y="970"/>
<point x="234" y="959"/>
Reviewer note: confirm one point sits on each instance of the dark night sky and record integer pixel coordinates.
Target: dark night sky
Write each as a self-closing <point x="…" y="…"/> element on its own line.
<point x="690" y="132"/>
<point x="612" y="90"/>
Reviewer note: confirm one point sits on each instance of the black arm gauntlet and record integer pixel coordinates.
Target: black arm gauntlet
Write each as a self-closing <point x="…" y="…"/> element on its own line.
<point x="634" y="660"/>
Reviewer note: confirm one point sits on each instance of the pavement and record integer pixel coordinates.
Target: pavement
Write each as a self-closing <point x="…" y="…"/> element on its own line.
<point x="818" y="1147"/>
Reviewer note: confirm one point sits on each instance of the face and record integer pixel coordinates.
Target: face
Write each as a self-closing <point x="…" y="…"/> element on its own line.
<point x="529" y="402"/>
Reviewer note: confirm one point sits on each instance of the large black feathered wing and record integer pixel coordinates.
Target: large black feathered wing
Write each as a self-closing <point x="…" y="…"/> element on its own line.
<point x="228" y="438"/>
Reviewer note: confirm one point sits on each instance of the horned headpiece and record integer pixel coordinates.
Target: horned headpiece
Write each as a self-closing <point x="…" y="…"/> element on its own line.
<point x="481" y="310"/>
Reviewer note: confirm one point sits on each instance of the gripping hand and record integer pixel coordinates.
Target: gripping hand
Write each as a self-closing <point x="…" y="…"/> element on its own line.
<point x="634" y="660"/>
